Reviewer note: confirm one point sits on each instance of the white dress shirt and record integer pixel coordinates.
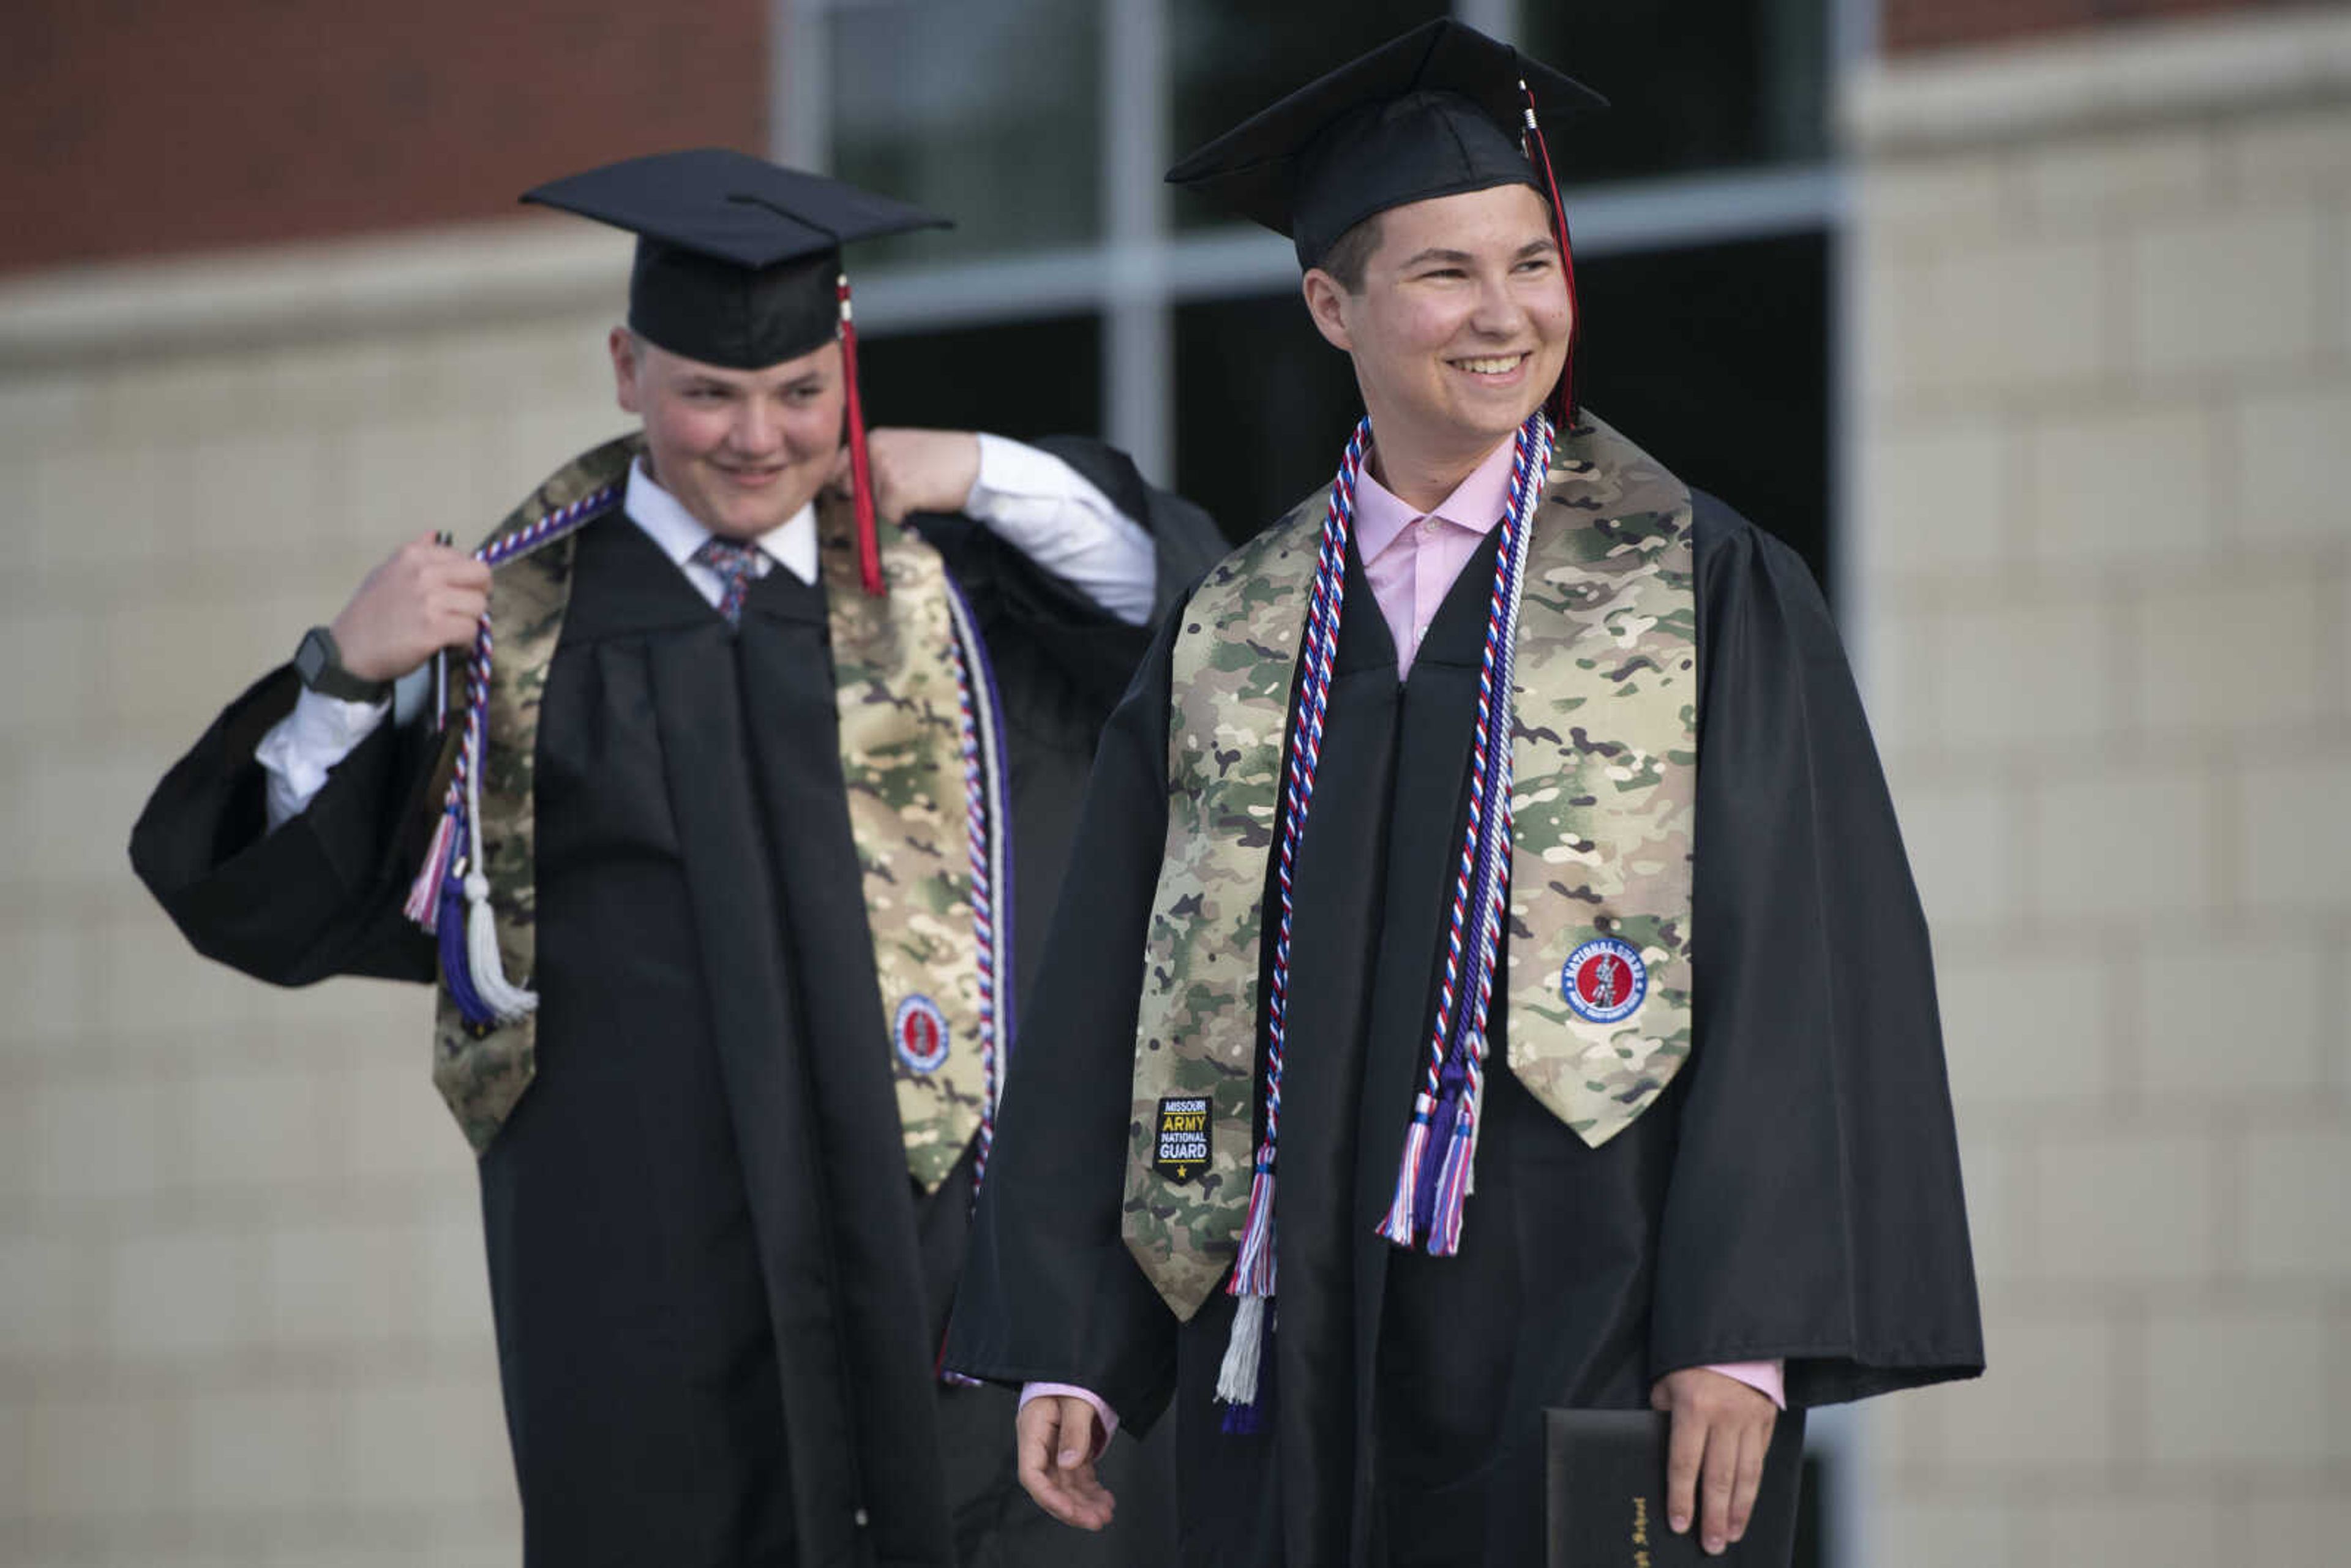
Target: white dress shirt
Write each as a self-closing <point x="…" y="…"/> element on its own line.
<point x="1031" y="500"/>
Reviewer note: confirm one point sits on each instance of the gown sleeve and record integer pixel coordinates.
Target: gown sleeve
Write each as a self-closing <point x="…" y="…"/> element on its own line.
<point x="1814" y="1210"/>
<point x="1031" y="614"/>
<point x="319" y="896"/>
<point x="1049" y="1292"/>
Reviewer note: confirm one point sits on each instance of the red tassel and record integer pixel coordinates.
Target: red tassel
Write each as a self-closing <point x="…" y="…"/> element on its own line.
<point x="1563" y="397"/>
<point x="861" y="471"/>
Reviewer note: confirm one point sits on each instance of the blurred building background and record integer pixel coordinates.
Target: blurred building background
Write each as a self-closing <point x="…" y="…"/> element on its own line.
<point x="2028" y="321"/>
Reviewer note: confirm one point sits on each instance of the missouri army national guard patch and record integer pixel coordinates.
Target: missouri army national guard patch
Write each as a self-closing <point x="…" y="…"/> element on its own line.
<point x="1180" y="1147"/>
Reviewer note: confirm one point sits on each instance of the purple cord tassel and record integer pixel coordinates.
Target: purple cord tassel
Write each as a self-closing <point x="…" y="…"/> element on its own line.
<point x="454" y="968"/>
<point x="1440" y="1139"/>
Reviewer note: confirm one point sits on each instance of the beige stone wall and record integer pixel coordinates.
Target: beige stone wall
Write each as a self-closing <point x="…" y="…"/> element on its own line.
<point x="2102" y="571"/>
<point x="243" y="1312"/>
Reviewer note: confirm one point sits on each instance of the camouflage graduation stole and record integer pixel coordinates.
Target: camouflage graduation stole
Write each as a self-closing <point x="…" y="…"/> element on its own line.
<point x="922" y="752"/>
<point x="1600" y="806"/>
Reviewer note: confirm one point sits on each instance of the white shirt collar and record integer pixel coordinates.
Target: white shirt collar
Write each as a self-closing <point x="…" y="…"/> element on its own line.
<point x="791" y="544"/>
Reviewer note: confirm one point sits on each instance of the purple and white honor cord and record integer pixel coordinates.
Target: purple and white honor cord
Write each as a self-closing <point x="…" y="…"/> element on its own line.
<point x="451" y="896"/>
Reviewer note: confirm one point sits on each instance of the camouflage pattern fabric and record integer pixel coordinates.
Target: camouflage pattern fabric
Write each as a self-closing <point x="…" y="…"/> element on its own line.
<point x="1605" y="778"/>
<point x="895" y="667"/>
<point x="1197" y="1030"/>
<point x="1604" y="758"/>
<point x="483" y="1075"/>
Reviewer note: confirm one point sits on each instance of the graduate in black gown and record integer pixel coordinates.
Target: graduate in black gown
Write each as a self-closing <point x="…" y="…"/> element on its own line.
<point x="721" y="1251"/>
<point x="1762" y="1210"/>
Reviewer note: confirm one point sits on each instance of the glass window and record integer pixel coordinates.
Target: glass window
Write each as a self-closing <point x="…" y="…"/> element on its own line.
<point x="1712" y="86"/>
<point x="1716" y="359"/>
<point x="1232" y="57"/>
<point x="987" y="112"/>
<point x="1263" y="406"/>
<point x="1023" y="379"/>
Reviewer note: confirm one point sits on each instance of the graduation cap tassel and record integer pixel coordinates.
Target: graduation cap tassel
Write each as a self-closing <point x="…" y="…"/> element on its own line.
<point x="1562" y="404"/>
<point x="860" y="469"/>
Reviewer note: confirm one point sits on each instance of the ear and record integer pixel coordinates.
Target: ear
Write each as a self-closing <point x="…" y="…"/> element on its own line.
<point x="624" y="346"/>
<point x="1326" y="301"/>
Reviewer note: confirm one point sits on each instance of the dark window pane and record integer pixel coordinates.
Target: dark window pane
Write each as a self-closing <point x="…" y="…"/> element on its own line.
<point x="1233" y="57"/>
<point x="987" y="112"/>
<point x="1025" y="380"/>
<point x="1719" y="84"/>
<point x="1263" y="406"/>
<point x="1715" y="359"/>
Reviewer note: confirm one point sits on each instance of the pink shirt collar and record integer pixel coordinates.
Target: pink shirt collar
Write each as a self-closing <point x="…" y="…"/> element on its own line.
<point x="1477" y="504"/>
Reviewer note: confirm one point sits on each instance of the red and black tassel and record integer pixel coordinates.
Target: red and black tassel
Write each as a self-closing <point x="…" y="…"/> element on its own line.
<point x="860" y="469"/>
<point x="1562" y="405"/>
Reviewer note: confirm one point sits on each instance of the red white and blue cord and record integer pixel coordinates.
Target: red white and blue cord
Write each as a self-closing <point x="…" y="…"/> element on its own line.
<point x="1448" y="1100"/>
<point x="1433" y="1176"/>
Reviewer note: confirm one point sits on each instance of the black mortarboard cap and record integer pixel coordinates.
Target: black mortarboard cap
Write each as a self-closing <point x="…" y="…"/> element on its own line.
<point x="737" y="258"/>
<point x="1434" y="112"/>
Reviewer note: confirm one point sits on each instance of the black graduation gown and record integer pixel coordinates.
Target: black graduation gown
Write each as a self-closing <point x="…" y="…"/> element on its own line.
<point x="719" y="1296"/>
<point x="1794" y="1194"/>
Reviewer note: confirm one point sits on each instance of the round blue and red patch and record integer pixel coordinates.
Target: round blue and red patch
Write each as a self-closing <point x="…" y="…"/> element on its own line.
<point x="920" y="1031"/>
<point x="1605" y="980"/>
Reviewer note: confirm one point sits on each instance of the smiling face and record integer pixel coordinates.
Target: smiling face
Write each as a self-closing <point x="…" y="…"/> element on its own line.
<point x="1460" y="329"/>
<point x="741" y="449"/>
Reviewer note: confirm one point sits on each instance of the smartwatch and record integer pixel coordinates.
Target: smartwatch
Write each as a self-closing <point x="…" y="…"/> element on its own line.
<point x="320" y="665"/>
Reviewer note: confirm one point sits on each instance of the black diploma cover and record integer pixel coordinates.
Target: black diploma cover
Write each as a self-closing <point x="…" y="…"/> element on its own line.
<point x="1605" y="1494"/>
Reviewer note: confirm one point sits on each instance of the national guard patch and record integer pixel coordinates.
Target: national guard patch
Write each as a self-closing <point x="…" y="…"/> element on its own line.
<point x="1605" y="980"/>
<point x="921" y="1032"/>
<point x="1180" y="1146"/>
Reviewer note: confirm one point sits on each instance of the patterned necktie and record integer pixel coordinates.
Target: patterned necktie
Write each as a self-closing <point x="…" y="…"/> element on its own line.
<point x="733" y="562"/>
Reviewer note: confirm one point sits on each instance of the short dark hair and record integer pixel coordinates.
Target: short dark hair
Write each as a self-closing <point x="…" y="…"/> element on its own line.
<point x="1351" y="253"/>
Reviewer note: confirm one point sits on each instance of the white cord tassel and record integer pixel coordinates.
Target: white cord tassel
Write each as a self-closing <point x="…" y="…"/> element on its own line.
<point x="500" y="995"/>
<point x="1236" y="1378"/>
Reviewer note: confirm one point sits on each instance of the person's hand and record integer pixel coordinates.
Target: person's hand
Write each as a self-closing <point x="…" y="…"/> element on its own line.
<point x="425" y="597"/>
<point x="1720" y="1428"/>
<point x="1057" y="1435"/>
<point x="919" y="470"/>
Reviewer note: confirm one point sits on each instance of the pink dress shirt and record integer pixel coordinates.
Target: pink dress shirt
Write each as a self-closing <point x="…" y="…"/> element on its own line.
<point x="1411" y="558"/>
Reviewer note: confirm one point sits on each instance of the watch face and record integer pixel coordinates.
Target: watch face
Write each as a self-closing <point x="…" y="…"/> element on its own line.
<point x="311" y="658"/>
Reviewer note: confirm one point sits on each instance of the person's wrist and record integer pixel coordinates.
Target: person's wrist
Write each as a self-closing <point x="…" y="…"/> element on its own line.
<point x="963" y="477"/>
<point x="318" y="662"/>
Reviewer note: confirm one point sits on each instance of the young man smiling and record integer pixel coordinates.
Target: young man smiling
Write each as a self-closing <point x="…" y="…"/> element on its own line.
<point x="718" y="834"/>
<point x="1513" y="998"/>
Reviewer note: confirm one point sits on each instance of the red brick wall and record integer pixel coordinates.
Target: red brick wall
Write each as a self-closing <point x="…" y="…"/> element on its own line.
<point x="1911" y="24"/>
<point x="151" y="127"/>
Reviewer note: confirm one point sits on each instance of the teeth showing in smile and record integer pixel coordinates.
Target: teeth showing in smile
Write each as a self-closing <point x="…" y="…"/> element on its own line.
<point x="1501" y="365"/>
